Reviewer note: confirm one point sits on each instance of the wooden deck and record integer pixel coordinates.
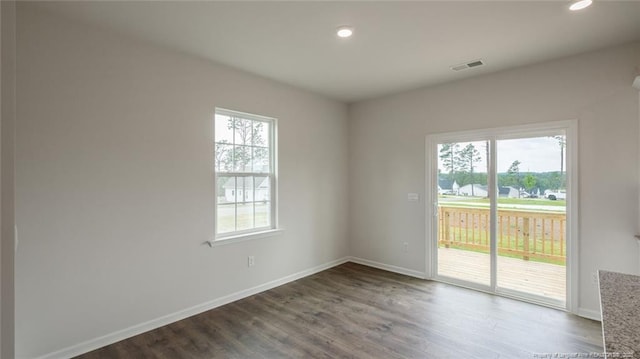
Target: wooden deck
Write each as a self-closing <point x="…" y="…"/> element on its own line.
<point x="536" y="278"/>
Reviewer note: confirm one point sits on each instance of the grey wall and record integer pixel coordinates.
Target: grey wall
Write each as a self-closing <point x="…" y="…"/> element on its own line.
<point x="114" y="194"/>
<point x="8" y="110"/>
<point x="387" y="155"/>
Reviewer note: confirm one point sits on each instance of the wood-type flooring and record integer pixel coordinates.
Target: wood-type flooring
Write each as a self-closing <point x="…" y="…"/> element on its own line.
<point x="354" y="311"/>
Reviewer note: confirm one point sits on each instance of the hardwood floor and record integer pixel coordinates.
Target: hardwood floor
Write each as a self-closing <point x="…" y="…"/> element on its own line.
<point x="354" y="311"/>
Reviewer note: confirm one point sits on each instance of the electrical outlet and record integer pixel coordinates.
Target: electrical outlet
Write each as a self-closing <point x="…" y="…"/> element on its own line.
<point x="594" y="278"/>
<point x="405" y="247"/>
<point x="251" y="261"/>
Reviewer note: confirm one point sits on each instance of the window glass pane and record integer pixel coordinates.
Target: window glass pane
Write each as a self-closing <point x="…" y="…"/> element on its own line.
<point x="242" y="158"/>
<point x="243" y="131"/>
<point x="261" y="160"/>
<point x="223" y="129"/>
<point x="263" y="189"/>
<point x="245" y="203"/>
<point x="263" y="214"/>
<point x="226" y="210"/>
<point x="245" y="216"/>
<point x="226" y="218"/>
<point x="245" y="185"/>
<point x="223" y="158"/>
<point x="261" y="133"/>
<point x="263" y="201"/>
<point x="225" y="190"/>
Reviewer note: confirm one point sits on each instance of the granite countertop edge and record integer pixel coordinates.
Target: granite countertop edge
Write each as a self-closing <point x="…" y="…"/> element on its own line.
<point x="620" y="308"/>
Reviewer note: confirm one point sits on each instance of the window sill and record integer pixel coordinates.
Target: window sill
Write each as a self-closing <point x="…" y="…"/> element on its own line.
<point x="244" y="237"/>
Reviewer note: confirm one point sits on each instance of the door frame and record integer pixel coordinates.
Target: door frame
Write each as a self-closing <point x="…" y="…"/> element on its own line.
<point x="501" y="133"/>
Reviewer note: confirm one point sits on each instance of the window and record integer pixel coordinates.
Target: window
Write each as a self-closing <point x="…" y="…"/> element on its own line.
<point x="245" y="173"/>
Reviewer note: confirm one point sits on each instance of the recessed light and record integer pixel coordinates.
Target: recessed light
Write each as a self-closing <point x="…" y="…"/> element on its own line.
<point x="344" y="31"/>
<point x="579" y="4"/>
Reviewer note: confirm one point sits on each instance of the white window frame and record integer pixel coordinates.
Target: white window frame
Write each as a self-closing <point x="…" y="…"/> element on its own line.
<point x="493" y="134"/>
<point x="258" y="232"/>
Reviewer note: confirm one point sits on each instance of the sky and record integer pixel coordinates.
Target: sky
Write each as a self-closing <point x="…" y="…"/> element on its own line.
<point x="536" y="154"/>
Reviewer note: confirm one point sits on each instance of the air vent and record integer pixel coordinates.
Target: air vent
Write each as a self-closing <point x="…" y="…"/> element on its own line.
<point x="468" y="65"/>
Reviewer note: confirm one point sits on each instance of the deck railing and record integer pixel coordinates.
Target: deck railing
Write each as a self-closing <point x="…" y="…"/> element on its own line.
<point x="531" y="235"/>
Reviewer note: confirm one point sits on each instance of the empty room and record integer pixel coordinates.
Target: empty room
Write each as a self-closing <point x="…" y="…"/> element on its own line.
<point x="320" y="179"/>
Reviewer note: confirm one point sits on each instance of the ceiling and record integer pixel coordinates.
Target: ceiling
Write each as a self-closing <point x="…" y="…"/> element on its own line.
<point x="396" y="46"/>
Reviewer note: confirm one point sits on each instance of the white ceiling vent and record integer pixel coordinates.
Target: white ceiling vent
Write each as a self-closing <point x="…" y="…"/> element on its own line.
<point x="467" y="65"/>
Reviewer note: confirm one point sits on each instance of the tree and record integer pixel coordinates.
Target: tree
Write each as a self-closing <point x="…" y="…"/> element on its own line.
<point x="448" y="153"/>
<point x="466" y="159"/>
<point x="554" y="181"/>
<point x="248" y="143"/>
<point x="529" y="181"/>
<point x="513" y="175"/>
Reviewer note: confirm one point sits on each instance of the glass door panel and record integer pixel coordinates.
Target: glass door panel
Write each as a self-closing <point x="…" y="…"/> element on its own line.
<point x="531" y="217"/>
<point x="463" y="212"/>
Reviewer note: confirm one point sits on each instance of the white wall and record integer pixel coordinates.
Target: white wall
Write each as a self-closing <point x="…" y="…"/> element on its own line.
<point x="114" y="179"/>
<point x="387" y="154"/>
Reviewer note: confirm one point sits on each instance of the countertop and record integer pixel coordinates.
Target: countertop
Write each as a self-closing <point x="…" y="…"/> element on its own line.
<point x="620" y="306"/>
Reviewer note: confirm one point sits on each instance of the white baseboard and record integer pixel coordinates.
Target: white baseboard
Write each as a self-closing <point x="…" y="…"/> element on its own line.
<point x="589" y="314"/>
<point x="390" y="268"/>
<point x="114" y="337"/>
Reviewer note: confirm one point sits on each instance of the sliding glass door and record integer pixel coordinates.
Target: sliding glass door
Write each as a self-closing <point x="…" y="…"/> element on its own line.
<point x="499" y="216"/>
